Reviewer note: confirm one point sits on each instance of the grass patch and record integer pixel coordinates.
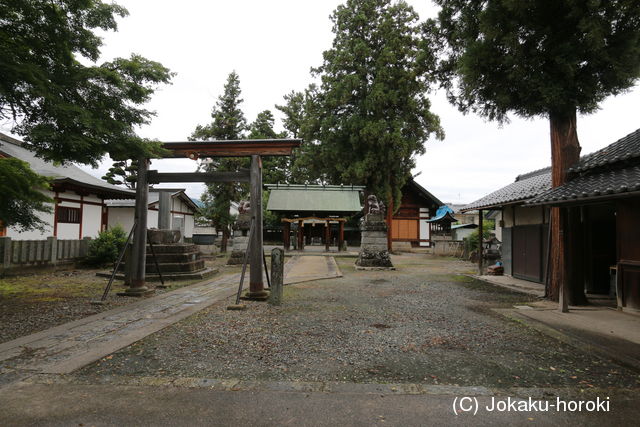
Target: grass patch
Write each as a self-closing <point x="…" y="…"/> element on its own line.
<point x="49" y="287"/>
<point x="460" y="278"/>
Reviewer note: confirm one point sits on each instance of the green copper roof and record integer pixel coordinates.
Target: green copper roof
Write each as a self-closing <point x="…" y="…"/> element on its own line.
<point x="314" y="198"/>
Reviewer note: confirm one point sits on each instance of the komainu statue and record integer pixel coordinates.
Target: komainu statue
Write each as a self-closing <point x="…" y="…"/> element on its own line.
<point x="244" y="206"/>
<point x="374" y="206"/>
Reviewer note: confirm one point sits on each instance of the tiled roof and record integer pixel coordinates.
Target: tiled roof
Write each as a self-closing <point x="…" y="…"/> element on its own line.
<point x="154" y="197"/>
<point x="411" y="183"/>
<point x="525" y="187"/>
<point x="611" y="171"/>
<point x="594" y="185"/>
<point x="69" y="173"/>
<point x="624" y="149"/>
<point x="314" y="198"/>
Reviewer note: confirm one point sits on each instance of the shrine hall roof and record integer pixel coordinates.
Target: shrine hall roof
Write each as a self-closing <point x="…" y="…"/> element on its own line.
<point x="338" y="199"/>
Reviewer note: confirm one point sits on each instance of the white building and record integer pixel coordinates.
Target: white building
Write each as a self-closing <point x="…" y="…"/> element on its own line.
<point x="85" y="205"/>
<point x="79" y="208"/>
<point x="120" y="212"/>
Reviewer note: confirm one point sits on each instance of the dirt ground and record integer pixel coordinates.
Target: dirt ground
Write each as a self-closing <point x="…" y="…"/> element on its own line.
<point x="36" y="301"/>
<point x="424" y="323"/>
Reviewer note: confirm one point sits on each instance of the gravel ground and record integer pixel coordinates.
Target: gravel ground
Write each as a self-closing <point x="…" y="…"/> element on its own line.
<point x="34" y="302"/>
<point x="424" y="323"/>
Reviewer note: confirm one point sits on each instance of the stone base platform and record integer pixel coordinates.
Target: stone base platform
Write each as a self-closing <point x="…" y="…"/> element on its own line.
<point x="374" y="268"/>
<point x="204" y="274"/>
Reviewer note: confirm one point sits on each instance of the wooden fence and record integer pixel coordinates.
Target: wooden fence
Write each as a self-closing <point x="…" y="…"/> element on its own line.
<point x="27" y="253"/>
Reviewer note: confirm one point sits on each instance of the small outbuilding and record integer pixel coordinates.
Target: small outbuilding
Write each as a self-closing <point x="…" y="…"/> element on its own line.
<point x="314" y="213"/>
<point x="409" y="226"/>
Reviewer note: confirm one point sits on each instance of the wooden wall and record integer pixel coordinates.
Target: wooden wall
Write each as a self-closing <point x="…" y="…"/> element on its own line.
<point x="628" y="233"/>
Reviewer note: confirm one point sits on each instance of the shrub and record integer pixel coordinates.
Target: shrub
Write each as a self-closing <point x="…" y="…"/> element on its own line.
<point x="107" y="246"/>
<point x="472" y="240"/>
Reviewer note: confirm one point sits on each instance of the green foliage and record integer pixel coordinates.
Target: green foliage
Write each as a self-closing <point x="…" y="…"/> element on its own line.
<point x="64" y="109"/>
<point x="228" y="119"/>
<point x="65" y="106"/>
<point x="271" y="219"/>
<point x="123" y="173"/>
<point x="534" y="58"/>
<point x="301" y="121"/>
<point x="275" y="169"/>
<point x="371" y="113"/>
<point x="21" y="195"/>
<point x="487" y="230"/>
<point x="107" y="246"/>
<point x="294" y="114"/>
<point x="228" y="123"/>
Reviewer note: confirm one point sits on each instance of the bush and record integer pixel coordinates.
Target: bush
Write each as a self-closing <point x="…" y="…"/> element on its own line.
<point x="472" y="240"/>
<point x="107" y="246"/>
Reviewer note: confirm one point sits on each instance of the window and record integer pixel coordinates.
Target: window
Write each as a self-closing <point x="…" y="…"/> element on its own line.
<point x="68" y="215"/>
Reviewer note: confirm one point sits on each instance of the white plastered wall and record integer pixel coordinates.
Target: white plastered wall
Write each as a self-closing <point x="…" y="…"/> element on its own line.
<point x="424" y="226"/>
<point x="91" y="219"/>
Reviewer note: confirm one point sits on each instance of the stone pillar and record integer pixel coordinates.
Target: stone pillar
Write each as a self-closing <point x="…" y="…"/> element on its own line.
<point x="277" y="276"/>
<point x="240" y="239"/>
<point x="374" y="254"/>
<point x="139" y="252"/>
<point x="164" y="212"/>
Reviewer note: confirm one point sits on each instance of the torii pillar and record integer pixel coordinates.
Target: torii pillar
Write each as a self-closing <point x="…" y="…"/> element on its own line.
<point x="256" y="283"/>
<point x="137" y="286"/>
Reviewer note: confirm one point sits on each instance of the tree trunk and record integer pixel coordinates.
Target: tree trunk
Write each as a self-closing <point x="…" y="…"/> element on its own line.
<point x="565" y="153"/>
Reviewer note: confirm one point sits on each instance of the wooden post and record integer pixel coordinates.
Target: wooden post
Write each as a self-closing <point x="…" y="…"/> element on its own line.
<point x="300" y="235"/>
<point x="277" y="276"/>
<point x="286" y="235"/>
<point x="5" y="245"/>
<point x="389" y="224"/>
<point x="327" y="236"/>
<point x="256" y="285"/>
<point x="563" y="292"/>
<point x="480" y="242"/>
<point x="341" y="236"/>
<point x="137" y="287"/>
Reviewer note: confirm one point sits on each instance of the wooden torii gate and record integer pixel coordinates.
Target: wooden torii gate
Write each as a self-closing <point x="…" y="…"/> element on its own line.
<point x="254" y="148"/>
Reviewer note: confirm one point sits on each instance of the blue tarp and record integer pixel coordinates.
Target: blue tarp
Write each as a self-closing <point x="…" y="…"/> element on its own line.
<point x="442" y="213"/>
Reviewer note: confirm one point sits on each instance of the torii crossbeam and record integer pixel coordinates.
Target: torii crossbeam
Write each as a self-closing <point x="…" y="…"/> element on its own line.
<point x="254" y="148"/>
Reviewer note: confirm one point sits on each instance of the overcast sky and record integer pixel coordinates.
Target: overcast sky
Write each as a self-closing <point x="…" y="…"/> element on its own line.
<point x="273" y="44"/>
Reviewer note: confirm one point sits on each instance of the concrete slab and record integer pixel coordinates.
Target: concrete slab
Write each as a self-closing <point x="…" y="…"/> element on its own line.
<point x="514" y="284"/>
<point x="363" y="405"/>
<point x="611" y="333"/>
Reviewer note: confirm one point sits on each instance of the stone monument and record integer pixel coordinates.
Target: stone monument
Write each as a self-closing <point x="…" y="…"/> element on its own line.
<point x="240" y="234"/>
<point x="374" y="254"/>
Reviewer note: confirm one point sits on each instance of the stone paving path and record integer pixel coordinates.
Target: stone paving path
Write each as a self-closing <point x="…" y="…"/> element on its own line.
<point x="67" y="347"/>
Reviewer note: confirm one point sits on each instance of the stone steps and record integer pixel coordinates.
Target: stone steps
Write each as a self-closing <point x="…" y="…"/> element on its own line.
<point x="172" y="267"/>
<point x="173" y="258"/>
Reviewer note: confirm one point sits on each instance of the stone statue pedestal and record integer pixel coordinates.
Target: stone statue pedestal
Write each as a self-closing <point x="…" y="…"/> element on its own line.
<point x="240" y="239"/>
<point x="373" y="247"/>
